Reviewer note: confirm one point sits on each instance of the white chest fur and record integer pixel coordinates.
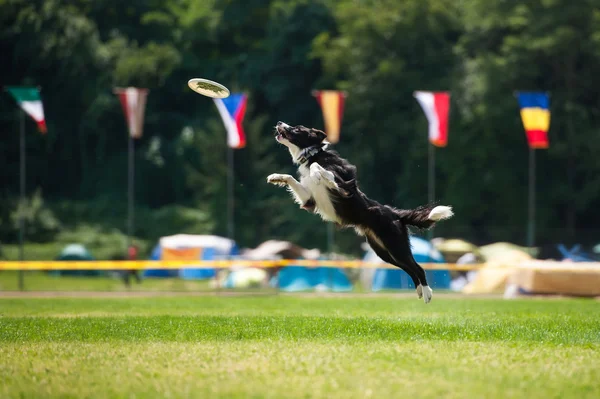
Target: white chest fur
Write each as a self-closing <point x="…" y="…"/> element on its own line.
<point x="320" y="193"/>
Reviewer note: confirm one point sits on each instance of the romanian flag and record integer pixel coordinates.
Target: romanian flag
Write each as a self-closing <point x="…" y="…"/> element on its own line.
<point x="535" y="113"/>
<point x="232" y="110"/>
<point x="332" y="105"/>
<point x="436" y="106"/>
<point x="30" y="101"/>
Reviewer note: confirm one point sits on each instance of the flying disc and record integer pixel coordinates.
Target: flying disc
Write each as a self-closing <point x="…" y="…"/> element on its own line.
<point x="208" y="88"/>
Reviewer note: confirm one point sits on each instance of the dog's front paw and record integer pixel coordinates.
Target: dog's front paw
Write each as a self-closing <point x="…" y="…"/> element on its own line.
<point x="320" y="175"/>
<point x="278" y="179"/>
<point x="315" y="176"/>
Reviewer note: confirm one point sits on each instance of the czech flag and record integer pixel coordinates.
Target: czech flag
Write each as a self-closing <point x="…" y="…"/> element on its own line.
<point x="332" y="106"/>
<point x="535" y="113"/>
<point x="436" y="106"/>
<point x="232" y="110"/>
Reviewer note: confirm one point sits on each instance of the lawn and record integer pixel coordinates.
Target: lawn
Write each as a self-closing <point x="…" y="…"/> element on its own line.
<point x="298" y="347"/>
<point x="43" y="281"/>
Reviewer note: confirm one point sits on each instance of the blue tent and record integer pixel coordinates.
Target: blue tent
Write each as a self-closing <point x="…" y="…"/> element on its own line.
<point x="76" y="252"/>
<point x="156" y="255"/>
<point x="423" y="252"/>
<point x="211" y="247"/>
<point x="300" y="278"/>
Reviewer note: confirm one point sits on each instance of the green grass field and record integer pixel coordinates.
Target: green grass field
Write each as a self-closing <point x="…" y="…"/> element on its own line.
<point x="299" y="347"/>
<point x="42" y="281"/>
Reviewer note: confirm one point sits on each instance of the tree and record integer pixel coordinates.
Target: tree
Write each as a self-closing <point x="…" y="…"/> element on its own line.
<point x="541" y="45"/>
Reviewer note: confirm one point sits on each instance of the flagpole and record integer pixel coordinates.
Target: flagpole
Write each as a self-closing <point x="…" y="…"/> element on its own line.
<point x="130" y="192"/>
<point x="22" y="199"/>
<point x="431" y="181"/>
<point x="230" y="197"/>
<point x="341" y="96"/>
<point x="531" y="200"/>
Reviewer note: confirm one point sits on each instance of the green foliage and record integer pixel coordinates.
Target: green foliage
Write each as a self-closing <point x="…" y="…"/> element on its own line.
<point x="146" y="66"/>
<point x="541" y="45"/>
<point x="103" y="244"/>
<point x="39" y="221"/>
<point x="110" y="221"/>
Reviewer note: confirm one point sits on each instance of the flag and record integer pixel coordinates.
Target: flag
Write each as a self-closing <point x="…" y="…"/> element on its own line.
<point x="30" y="101"/>
<point x="232" y="110"/>
<point x="436" y="106"/>
<point x="133" y="101"/>
<point x="535" y="113"/>
<point x="332" y="105"/>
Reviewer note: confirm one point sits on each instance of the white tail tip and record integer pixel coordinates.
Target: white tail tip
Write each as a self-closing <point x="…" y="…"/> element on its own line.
<point x="441" y="213"/>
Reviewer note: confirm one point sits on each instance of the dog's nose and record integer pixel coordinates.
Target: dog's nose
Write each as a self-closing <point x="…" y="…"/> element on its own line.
<point x="279" y="123"/>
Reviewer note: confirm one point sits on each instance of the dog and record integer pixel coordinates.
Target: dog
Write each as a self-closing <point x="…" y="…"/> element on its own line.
<point x="328" y="187"/>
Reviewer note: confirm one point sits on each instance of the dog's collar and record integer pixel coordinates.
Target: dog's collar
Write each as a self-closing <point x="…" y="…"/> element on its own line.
<point x="309" y="152"/>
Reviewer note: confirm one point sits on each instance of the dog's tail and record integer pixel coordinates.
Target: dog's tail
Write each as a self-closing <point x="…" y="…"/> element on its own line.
<point x="424" y="217"/>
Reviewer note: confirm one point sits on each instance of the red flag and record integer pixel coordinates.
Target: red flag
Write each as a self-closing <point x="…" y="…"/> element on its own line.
<point x="133" y="101"/>
<point x="332" y="105"/>
<point x="436" y="106"/>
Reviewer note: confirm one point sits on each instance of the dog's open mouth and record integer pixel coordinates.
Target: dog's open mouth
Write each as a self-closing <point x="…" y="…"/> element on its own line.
<point x="281" y="133"/>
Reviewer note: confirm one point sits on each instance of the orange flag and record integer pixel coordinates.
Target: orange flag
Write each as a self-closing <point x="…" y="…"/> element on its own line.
<point x="332" y="105"/>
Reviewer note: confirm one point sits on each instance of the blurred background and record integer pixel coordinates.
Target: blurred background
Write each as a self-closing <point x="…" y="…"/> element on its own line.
<point x="277" y="52"/>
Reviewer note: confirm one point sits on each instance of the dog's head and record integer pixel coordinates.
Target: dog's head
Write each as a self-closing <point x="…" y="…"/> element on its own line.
<point x="299" y="137"/>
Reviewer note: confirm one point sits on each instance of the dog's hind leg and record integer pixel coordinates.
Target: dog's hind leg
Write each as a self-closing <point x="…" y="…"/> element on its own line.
<point x="423" y="290"/>
<point x="397" y="244"/>
<point x="399" y="248"/>
<point x="383" y="253"/>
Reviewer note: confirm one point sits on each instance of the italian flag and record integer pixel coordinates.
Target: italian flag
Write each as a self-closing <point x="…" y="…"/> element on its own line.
<point x="29" y="99"/>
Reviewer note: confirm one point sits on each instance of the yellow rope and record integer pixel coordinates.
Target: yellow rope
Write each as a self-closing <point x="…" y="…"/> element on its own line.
<point x="226" y="264"/>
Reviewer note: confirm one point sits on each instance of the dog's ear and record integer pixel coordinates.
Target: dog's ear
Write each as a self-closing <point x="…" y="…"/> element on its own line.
<point x="319" y="134"/>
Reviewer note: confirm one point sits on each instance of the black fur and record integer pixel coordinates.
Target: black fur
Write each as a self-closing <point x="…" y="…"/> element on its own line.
<point x="385" y="227"/>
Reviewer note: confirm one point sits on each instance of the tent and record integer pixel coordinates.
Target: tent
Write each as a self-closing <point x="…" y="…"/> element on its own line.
<point x="300" y="278"/>
<point x="505" y="251"/>
<point x="385" y="279"/>
<point x="275" y="248"/>
<point x="453" y="249"/>
<point x="75" y="252"/>
<point x="576" y="254"/>
<point x="191" y="247"/>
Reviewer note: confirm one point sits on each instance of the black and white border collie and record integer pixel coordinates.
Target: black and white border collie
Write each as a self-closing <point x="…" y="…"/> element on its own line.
<point x="328" y="187"/>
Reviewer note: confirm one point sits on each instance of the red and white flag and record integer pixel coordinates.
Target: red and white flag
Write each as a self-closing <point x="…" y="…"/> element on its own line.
<point x="133" y="101"/>
<point x="436" y="106"/>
